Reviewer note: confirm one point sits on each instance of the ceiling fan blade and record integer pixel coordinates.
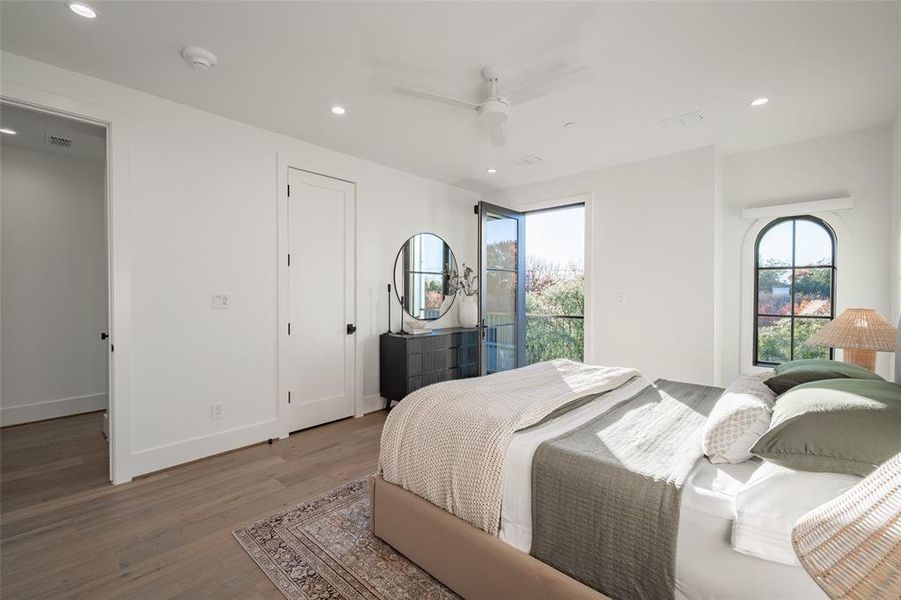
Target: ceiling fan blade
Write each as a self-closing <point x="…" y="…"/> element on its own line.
<point x="496" y="131"/>
<point x="548" y="84"/>
<point x="405" y="91"/>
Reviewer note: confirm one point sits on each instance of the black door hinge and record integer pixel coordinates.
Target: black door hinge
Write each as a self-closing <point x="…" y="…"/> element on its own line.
<point x="289" y="397"/>
<point x="475" y="209"/>
<point x="289" y="259"/>
<point x="289" y="190"/>
<point x="289" y="328"/>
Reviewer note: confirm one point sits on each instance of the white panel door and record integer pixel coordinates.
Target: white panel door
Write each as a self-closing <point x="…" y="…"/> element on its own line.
<point x="318" y="366"/>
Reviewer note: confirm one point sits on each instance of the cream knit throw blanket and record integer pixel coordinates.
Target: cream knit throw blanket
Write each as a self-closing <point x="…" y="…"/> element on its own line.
<point x="447" y="442"/>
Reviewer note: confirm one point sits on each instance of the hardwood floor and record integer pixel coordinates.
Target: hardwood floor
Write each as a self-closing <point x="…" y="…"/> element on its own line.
<point x="66" y="532"/>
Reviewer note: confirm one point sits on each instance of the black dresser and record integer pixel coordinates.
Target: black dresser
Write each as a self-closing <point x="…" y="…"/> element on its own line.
<point x="408" y="362"/>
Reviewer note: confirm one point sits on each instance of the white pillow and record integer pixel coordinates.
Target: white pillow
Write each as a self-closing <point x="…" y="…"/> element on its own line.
<point x="738" y="419"/>
<point x="770" y="503"/>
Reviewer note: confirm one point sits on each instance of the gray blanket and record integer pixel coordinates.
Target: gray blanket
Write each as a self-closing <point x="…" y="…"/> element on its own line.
<point x="605" y="497"/>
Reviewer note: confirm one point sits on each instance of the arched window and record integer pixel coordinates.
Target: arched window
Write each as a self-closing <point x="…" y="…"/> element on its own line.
<point x="794" y="288"/>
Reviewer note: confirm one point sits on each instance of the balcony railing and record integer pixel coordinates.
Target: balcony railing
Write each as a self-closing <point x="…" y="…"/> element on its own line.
<point x="554" y="336"/>
<point x="547" y="337"/>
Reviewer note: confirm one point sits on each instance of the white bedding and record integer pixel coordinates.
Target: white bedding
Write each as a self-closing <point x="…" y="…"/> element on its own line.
<point x="767" y="508"/>
<point x="706" y="564"/>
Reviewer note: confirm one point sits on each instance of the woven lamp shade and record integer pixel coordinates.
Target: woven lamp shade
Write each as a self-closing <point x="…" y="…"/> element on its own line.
<point x="858" y="328"/>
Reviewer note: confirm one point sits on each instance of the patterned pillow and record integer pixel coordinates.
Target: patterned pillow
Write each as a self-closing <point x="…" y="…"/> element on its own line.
<point x="739" y="418"/>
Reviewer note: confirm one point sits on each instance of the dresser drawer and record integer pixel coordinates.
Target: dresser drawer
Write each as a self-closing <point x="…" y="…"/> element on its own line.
<point x="408" y="363"/>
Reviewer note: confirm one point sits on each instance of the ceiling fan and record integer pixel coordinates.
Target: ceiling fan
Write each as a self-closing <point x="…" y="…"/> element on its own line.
<point x="495" y="109"/>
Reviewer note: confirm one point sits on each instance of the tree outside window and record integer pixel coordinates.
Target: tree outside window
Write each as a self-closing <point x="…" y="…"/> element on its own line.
<point x="795" y="288"/>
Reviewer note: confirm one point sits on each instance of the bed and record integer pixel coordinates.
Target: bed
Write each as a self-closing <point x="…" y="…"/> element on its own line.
<point x="460" y="549"/>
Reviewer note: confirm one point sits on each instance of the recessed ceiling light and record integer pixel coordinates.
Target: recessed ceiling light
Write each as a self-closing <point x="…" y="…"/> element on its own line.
<point x="759" y="101"/>
<point x="491" y="171"/>
<point x="338" y="110"/>
<point x="8" y="131"/>
<point x="82" y="10"/>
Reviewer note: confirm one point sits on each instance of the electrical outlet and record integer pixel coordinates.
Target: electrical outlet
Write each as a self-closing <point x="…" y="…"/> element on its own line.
<point x="215" y="411"/>
<point x="219" y="301"/>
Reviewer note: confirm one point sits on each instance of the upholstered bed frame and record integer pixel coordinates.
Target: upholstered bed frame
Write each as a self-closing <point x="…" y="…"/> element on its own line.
<point x="474" y="564"/>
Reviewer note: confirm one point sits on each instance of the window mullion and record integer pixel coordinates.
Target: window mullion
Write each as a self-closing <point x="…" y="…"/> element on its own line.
<point x="791" y="349"/>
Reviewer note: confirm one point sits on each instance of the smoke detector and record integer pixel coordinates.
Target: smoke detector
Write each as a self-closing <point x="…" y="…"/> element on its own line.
<point x="199" y="58"/>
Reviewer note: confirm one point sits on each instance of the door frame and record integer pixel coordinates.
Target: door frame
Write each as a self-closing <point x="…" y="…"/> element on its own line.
<point x="285" y="164"/>
<point x="586" y="199"/>
<point x="116" y="124"/>
<point x="487" y="207"/>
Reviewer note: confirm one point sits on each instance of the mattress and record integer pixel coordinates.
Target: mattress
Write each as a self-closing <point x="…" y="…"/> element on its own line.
<point x="706" y="565"/>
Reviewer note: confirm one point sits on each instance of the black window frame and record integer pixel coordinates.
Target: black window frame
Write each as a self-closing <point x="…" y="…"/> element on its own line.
<point x="447" y="258"/>
<point x="793" y="268"/>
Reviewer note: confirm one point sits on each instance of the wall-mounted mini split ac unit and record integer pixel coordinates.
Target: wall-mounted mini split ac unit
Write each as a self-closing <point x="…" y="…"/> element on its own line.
<point x="58" y="140"/>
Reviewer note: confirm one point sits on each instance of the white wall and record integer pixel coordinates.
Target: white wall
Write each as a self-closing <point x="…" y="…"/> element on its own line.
<point x="200" y="196"/>
<point x="54" y="285"/>
<point x="652" y="235"/>
<point x="668" y="232"/>
<point x="856" y="164"/>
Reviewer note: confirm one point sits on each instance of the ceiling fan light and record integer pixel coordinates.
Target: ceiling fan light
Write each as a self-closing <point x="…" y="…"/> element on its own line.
<point x="494" y="110"/>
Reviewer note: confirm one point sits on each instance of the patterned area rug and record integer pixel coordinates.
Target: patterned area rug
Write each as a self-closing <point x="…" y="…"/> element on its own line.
<point x="323" y="549"/>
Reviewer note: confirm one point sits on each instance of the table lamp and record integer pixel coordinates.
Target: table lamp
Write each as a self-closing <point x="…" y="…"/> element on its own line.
<point x="860" y="333"/>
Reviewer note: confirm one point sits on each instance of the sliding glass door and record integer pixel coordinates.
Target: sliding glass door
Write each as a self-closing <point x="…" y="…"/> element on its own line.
<point x="502" y="281"/>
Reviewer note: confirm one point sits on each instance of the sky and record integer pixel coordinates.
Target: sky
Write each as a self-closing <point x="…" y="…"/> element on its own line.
<point x="813" y="245"/>
<point x="557" y="236"/>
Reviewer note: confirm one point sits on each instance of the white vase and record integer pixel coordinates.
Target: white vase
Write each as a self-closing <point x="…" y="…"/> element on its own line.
<point x="469" y="311"/>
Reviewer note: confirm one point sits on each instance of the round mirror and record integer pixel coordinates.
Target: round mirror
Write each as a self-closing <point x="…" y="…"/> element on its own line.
<point x="422" y="276"/>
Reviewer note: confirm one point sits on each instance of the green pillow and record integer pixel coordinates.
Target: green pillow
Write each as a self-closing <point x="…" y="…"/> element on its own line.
<point x="836" y="426"/>
<point x="796" y="372"/>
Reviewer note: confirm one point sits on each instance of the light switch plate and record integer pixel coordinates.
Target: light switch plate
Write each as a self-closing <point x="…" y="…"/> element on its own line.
<point x="219" y="301"/>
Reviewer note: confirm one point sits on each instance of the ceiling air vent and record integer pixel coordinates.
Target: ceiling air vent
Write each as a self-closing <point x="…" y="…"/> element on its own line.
<point x="688" y="119"/>
<point x="528" y="160"/>
<point x="58" y="140"/>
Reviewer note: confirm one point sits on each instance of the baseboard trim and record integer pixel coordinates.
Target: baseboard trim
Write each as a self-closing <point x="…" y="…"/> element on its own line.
<point x="154" y="459"/>
<point x="371" y="403"/>
<point x="158" y="458"/>
<point x="52" y="409"/>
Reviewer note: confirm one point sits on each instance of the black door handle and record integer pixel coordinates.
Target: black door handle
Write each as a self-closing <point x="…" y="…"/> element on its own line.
<point x="104" y="335"/>
<point x="351" y="328"/>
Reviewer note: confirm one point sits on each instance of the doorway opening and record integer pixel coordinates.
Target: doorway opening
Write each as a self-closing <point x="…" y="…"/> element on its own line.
<point x="555" y="284"/>
<point x="532" y="274"/>
<point x="54" y="293"/>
